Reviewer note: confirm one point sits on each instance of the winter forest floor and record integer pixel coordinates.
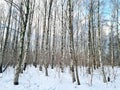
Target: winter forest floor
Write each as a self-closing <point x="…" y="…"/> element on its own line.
<point x="33" y="79"/>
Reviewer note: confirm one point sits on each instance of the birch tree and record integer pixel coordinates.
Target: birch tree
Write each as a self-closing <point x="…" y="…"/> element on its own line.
<point x="72" y="50"/>
<point x="62" y="38"/>
<point x="54" y="40"/>
<point x="99" y="45"/>
<point x="47" y="38"/>
<point x="24" y="20"/>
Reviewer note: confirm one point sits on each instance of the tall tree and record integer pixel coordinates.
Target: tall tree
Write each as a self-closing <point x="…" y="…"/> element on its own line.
<point x="43" y="33"/>
<point x="72" y="49"/>
<point x="24" y="20"/>
<point x="99" y="45"/>
<point x="62" y="38"/>
<point x="53" y="41"/>
<point x="30" y="22"/>
<point x="47" y="38"/>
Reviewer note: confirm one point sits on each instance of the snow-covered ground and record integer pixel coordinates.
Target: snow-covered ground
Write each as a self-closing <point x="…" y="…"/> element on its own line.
<point x="33" y="79"/>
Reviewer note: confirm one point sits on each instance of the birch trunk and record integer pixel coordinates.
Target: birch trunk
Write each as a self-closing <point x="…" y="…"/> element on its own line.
<point x="43" y="36"/>
<point x="27" y="49"/>
<point x="24" y="21"/>
<point x="72" y="50"/>
<point x="99" y="46"/>
<point x="62" y="40"/>
<point x="37" y="46"/>
<point x="53" y="47"/>
<point x="47" y="39"/>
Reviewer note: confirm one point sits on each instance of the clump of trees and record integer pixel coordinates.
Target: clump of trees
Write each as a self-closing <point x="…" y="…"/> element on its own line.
<point x="59" y="33"/>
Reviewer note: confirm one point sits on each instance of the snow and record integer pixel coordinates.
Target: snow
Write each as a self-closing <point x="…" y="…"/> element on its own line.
<point x="33" y="79"/>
